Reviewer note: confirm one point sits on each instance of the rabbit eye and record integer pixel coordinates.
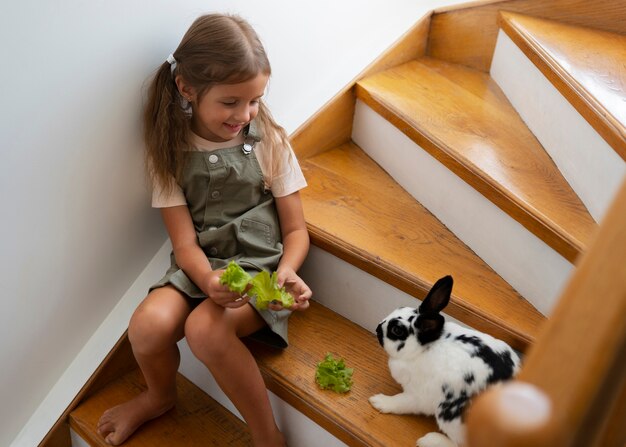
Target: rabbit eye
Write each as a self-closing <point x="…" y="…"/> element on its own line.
<point x="398" y="331"/>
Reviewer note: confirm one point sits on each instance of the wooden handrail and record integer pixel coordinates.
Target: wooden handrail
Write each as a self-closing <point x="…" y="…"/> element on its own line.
<point x="573" y="378"/>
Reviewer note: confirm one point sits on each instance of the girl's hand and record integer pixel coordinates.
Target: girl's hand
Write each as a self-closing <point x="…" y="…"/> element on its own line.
<point x="301" y="293"/>
<point x="220" y="293"/>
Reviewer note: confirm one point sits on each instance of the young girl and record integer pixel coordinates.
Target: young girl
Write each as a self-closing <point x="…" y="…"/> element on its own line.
<point x="227" y="184"/>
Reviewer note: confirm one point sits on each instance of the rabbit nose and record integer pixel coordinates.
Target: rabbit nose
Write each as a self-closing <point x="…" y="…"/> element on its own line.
<point x="379" y="334"/>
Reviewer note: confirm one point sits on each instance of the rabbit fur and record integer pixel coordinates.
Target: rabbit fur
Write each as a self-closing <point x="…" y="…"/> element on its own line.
<point x="439" y="365"/>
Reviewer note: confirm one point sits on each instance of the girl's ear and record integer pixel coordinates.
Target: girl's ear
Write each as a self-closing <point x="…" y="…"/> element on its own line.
<point x="185" y="90"/>
<point x="438" y="297"/>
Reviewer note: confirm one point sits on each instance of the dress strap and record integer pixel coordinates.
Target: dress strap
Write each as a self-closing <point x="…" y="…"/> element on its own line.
<point x="251" y="137"/>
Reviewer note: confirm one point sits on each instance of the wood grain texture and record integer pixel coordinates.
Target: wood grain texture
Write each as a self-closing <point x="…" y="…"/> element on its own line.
<point x="461" y="118"/>
<point x="357" y="212"/>
<point x="331" y="126"/>
<point x="613" y="432"/>
<point x="587" y="66"/>
<point x="290" y="374"/>
<point x="467" y="35"/>
<point x="197" y="420"/>
<point x="578" y="359"/>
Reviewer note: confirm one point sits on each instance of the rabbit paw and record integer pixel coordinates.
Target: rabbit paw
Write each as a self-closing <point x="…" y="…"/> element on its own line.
<point x="384" y="404"/>
<point x="434" y="439"/>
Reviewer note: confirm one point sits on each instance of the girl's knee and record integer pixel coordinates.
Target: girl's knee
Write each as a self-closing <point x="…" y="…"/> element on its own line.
<point x="206" y="334"/>
<point x="156" y="324"/>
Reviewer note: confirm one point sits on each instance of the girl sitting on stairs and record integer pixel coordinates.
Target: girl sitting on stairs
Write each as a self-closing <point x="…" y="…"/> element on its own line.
<point x="226" y="182"/>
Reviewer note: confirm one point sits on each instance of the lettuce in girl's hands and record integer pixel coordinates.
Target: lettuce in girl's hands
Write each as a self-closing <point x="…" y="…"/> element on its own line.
<point x="264" y="286"/>
<point x="266" y="289"/>
<point x="333" y="374"/>
<point x="236" y="278"/>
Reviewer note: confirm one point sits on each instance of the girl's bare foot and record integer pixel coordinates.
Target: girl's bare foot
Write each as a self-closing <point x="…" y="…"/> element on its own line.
<point x="118" y="423"/>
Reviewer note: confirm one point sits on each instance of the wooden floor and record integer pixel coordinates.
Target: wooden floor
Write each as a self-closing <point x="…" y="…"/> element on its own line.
<point x="356" y="211"/>
<point x="461" y="117"/>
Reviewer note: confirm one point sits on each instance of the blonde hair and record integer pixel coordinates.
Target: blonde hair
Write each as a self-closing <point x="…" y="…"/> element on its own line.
<point x="217" y="49"/>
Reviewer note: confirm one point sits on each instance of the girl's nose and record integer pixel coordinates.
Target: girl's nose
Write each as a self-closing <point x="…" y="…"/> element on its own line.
<point x="244" y="113"/>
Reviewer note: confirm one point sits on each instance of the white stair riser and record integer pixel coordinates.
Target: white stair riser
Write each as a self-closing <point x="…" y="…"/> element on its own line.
<point x="76" y="440"/>
<point x="590" y="165"/>
<point x="352" y="293"/>
<point x="533" y="268"/>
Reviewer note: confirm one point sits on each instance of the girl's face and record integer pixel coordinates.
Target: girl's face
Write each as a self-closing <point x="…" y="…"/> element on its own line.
<point x="225" y="109"/>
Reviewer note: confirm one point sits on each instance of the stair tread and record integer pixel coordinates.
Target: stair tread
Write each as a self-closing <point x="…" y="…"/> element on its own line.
<point x="290" y="373"/>
<point x="590" y="65"/>
<point x="197" y="420"/>
<point x="461" y="117"/>
<point x="356" y="211"/>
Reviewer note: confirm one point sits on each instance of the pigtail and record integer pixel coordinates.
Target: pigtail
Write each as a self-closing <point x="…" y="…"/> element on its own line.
<point x="275" y="138"/>
<point x="216" y="49"/>
<point x="166" y="126"/>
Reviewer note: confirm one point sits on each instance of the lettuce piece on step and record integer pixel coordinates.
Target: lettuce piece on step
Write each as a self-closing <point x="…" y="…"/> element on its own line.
<point x="333" y="374"/>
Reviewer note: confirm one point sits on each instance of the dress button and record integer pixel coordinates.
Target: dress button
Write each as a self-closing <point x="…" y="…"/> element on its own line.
<point x="212" y="228"/>
<point x="213" y="158"/>
<point x="215" y="194"/>
<point x="213" y="251"/>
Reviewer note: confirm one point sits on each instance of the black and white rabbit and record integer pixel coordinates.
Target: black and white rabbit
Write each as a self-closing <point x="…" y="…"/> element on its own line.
<point x="440" y="366"/>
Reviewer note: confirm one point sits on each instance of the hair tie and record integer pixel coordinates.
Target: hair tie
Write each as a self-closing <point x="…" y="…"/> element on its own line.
<point x="172" y="61"/>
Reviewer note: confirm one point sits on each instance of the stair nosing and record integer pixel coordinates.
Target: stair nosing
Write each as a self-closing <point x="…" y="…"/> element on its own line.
<point x="602" y="120"/>
<point x="414" y="284"/>
<point x="411" y="285"/>
<point x="523" y="212"/>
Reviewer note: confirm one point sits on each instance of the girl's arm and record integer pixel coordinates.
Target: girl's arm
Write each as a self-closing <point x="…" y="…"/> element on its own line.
<point x="192" y="260"/>
<point x="295" y="247"/>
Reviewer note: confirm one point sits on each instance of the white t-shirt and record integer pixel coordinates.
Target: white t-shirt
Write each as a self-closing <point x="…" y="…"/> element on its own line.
<point x="287" y="180"/>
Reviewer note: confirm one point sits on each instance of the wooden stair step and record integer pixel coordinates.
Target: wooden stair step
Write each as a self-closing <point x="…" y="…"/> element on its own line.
<point x="290" y="374"/>
<point x="197" y="420"/>
<point x="357" y="212"/>
<point x="461" y="117"/>
<point x="586" y="65"/>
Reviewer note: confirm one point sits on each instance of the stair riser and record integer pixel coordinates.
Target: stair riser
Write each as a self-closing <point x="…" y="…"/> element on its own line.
<point x="351" y="292"/>
<point x="297" y="428"/>
<point x="77" y="441"/>
<point x="590" y="165"/>
<point x="533" y="268"/>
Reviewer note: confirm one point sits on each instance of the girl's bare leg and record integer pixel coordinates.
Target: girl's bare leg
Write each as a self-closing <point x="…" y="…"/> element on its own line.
<point x="213" y="335"/>
<point x="156" y="326"/>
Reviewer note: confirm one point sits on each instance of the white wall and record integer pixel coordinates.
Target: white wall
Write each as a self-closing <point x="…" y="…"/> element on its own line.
<point x="76" y="225"/>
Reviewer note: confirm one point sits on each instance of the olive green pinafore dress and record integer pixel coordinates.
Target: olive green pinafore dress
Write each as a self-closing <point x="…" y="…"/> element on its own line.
<point x="235" y="218"/>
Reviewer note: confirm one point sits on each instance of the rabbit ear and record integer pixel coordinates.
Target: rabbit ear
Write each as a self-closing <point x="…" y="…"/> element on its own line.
<point x="429" y="323"/>
<point x="438" y="297"/>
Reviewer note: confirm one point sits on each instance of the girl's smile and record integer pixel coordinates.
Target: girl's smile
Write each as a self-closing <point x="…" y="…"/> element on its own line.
<point x="225" y="109"/>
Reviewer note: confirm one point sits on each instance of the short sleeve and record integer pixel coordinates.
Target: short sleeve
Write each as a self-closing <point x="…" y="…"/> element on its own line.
<point x="289" y="177"/>
<point x="161" y="199"/>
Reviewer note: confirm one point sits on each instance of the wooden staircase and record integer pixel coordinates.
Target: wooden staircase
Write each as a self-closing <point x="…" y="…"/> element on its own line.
<point x="370" y="220"/>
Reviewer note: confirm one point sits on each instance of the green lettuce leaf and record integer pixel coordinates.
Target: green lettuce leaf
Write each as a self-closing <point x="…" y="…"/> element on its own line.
<point x="236" y="278"/>
<point x="264" y="286"/>
<point x="333" y="374"/>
